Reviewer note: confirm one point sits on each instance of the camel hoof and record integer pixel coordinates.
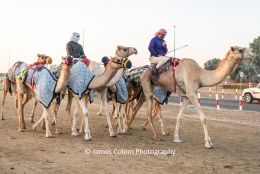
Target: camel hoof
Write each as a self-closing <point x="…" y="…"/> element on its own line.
<point x="58" y="132"/>
<point x="48" y="136"/>
<point x="34" y="128"/>
<point x="53" y="123"/>
<point x="20" y="130"/>
<point x="119" y="131"/>
<point x="75" y="133"/>
<point x="165" y="133"/>
<point x="32" y="121"/>
<point x="157" y="138"/>
<point x="177" y="140"/>
<point x="209" y="144"/>
<point x="87" y="136"/>
<point x="112" y="134"/>
<point x="99" y="114"/>
<point x="81" y="131"/>
<point x="2" y="118"/>
<point x="144" y="128"/>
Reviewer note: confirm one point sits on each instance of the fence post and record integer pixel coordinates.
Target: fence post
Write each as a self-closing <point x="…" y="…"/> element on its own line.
<point x="217" y="102"/>
<point x="199" y="97"/>
<point x="240" y="103"/>
<point x="236" y="97"/>
<point x="181" y="100"/>
<point x="209" y="92"/>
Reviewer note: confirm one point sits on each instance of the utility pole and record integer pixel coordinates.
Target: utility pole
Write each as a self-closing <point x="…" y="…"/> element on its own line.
<point x="83" y="38"/>
<point x="9" y="58"/>
<point x="174" y="44"/>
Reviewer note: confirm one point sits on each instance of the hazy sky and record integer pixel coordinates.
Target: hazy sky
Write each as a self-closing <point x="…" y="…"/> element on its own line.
<point x="28" y="27"/>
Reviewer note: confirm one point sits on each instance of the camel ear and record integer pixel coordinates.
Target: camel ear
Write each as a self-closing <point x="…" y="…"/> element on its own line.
<point x="232" y="48"/>
<point x="39" y="55"/>
<point x="119" y="47"/>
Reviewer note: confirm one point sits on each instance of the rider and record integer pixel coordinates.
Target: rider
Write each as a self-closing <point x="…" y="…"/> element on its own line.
<point x="158" y="48"/>
<point x="73" y="48"/>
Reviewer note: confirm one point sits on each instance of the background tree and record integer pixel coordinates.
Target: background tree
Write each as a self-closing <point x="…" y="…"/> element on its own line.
<point x="251" y="68"/>
<point x="212" y="64"/>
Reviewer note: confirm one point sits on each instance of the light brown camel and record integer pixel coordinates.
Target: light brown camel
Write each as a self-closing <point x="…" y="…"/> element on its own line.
<point x="98" y="82"/>
<point x="122" y="53"/>
<point x="189" y="78"/>
<point x="32" y="90"/>
<point x="10" y="86"/>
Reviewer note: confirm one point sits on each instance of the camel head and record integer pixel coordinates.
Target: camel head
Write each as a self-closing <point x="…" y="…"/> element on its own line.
<point x="44" y="58"/>
<point x="64" y="74"/>
<point x="119" y="62"/>
<point x="125" y="52"/>
<point x="238" y="53"/>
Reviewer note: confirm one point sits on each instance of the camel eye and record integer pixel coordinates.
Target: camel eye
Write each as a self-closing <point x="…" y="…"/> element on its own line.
<point x="125" y="49"/>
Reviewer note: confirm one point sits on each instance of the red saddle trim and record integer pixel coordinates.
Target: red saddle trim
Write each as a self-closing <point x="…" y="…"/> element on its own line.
<point x="174" y="63"/>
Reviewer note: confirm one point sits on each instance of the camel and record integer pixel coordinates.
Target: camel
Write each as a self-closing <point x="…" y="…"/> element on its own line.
<point x="189" y="78"/>
<point x="9" y="84"/>
<point x="136" y="99"/>
<point x="44" y="86"/>
<point x="112" y="74"/>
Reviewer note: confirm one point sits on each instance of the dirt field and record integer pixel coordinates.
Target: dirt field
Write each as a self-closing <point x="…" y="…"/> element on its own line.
<point x="235" y="134"/>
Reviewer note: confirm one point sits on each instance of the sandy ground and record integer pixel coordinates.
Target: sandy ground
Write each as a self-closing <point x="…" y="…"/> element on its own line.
<point x="235" y="134"/>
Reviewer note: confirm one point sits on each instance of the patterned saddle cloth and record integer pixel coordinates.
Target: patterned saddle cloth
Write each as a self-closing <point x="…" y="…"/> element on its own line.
<point x="15" y="69"/>
<point x="79" y="80"/>
<point x="43" y="83"/>
<point x="161" y="95"/>
<point x="155" y="73"/>
<point x="121" y="94"/>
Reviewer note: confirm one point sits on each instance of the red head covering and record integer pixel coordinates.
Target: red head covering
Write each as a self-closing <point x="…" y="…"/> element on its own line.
<point x="161" y="31"/>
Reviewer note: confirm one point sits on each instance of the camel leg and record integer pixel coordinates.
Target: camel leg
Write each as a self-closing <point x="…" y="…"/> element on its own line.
<point x="3" y="103"/>
<point x="68" y="108"/>
<point x="119" y="116"/>
<point x="81" y="130"/>
<point x="20" y="112"/>
<point x="194" y="101"/>
<point x="55" y="108"/>
<point x="176" y="133"/>
<point x="147" y="90"/>
<point x="85" y="115"/>
<point x="123" y="114"/>
<point x="134" y="112"/>
<point x="101" y="105"/>
<point x="108" y="116"/>
<point x="75" y="117"/>
<point x="33" y="111"/>
<point x="163" y="129"/>
<point x="38" y="122"/>
<point x="155" y="112"/>
<point x="46" y="118"/>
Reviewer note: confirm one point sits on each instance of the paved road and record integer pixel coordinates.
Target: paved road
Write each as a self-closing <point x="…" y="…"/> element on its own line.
<point x="226" y="104"/>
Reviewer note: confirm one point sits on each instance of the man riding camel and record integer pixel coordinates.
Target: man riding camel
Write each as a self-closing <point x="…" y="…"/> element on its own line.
<point x="158" y="49"/>
<point x="73" y="48"/>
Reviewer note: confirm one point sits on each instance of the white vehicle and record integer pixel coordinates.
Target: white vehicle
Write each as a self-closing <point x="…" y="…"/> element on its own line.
<point x="251" y="94"/>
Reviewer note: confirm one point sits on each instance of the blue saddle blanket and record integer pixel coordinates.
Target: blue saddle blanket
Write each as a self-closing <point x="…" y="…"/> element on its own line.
<point x="121" y="94"/>
<point x="80" y="78"/>
<point x="15" y="69"/>
<point x="44" y="84"/>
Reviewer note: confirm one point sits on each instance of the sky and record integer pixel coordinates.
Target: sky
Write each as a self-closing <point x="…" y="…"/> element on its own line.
<point x="209" y="28"/>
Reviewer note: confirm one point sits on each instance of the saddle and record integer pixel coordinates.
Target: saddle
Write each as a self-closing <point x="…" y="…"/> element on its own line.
<point x="86" y="61"/>
<point x="155" y="73"/>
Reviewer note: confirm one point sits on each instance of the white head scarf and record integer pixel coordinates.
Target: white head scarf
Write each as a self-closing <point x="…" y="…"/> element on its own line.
<point x="74" y="37"/>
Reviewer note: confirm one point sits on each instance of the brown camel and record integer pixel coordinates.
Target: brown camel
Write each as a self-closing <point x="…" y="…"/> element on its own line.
<point x="40" y="87"/>
<point x="189" y="78"/>
<point x="9" y="85"/>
